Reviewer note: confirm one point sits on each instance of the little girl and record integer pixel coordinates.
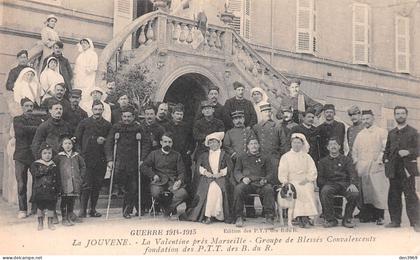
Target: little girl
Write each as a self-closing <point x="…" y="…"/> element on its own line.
<point x="46" y="186"/>
<point x="72" y="168"/>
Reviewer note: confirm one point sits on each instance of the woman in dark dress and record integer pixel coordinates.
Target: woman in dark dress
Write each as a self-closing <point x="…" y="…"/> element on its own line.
<point x="214" y="168"/>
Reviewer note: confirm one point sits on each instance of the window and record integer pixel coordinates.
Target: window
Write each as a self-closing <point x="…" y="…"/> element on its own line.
<point x="305" y="26"/>
<point x="402" y="44"/>
<point x="361" y="33"/>
<point x="242" y="20"/>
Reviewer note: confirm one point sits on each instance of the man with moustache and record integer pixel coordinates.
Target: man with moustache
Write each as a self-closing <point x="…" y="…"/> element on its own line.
<point x="126" y="161"/>
<point x="25" y="127"/>
<point x="76" y="113"/>
<point x="91" y="135"/>
<point x="22" y="57"/>
<point x="356" y="118"/>
<point x="330" y="128"/>
<point x="285" y="115"/>
<point x="123" y="102"/>
<point x="153" y="129"/>
<point x="400" y="158"/>
<point x="59" y="91"/>
<point x="213" y="98"/>
<point x="239" y="102"/>
<point x="162" y="113"/>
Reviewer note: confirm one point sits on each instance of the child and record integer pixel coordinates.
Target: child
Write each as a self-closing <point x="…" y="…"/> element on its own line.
<point x="72" y="169"/>
<point x="46" y="186"/>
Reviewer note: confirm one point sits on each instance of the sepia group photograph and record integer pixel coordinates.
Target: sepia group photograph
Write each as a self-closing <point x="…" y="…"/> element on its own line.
<point x="209" y="128"/>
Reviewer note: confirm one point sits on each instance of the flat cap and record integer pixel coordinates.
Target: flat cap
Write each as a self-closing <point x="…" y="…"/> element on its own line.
<point x="353" y="110"/>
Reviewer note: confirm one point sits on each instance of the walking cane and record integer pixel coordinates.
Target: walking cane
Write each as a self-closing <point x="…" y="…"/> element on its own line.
<point x="138" y="137"/>
<point x="116" y="137"/>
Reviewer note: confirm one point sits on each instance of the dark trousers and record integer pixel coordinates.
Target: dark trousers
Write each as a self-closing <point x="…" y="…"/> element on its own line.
<point x="397" y="186"/>
<point x="240" y="195"/>
<point x="21" y="172"/>
<point x="327" y="194"/>
<point x="67" y="205"/>
<point x="368" y="212"/>
<point x="45" y="205"/>
<point x="92" y="184"/>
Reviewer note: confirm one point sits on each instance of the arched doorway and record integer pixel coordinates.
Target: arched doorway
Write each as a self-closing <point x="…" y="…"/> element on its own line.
<point x="189" y="89"/>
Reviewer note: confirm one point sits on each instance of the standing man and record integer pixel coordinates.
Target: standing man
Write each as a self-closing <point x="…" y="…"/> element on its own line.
<point x="76" y="113"/>
<point x="337" y="176"/>
<point x="64" y="64"/>
<point x="59" y="91"/>
<point x="239" y="102"/>
<point x="162" y="113"/>
<point x="25" y="127"/>
<point x="126" y="161"/>
<point x="153" y="129"/>
<point x="356" y="118"/>
<point x="91" y="136"/>
<point x="310" y="132"/>
<point x="213" y="98"/>
<point x="329" y="129"/>
<point x="368" y="150"/>
<point x="22" y="57"/>
<point x="285" y="115"/>
<point x="400" y="160"/>
<point x="123" y="103"/>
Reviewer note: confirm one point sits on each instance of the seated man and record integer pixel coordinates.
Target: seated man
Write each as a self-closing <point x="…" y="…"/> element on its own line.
<point x="337" y="176"/>
<point x="166" y="170"/>
<point x="254" y="174"/>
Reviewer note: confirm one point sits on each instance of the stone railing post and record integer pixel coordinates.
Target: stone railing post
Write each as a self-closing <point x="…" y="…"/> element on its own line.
<point x="228" y="46"/>
<point x="162" y="34"/>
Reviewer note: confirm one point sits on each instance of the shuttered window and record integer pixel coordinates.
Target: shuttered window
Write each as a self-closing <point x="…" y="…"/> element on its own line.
<point x="305" y="26"/>
<point x="123" y="15"/>
<point x="402" y="44"/>
<point x="242" y="20"/>
<point x="361" y="31"/>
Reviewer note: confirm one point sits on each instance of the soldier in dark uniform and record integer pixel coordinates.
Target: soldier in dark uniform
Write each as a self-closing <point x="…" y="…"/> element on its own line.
<point x="162" y="113"/>
<point x="356" y="118"/>
<point x="153" y="129"/>
<point x="329" y="129"/>
<point x="22" y="57"/>
<point x="285" y="115"/>
<point x="213" y="98"/>
<point x="238" y="102"/>
<point x="123" y="102"/>
<point x="91" y="134"/>
<point x="76" y="113"/>
<point x="59" y="91"/>
<point x="25" y="127"/>
<point x="310" y="132"/>
<point x="205" y="126"/>
<point x="126" y="161"/>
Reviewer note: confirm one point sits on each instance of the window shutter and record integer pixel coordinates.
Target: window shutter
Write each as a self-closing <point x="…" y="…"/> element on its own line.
<point x="235" y="6"/>
<point x="123" y="15"/>
<point x="242" y="21"/>
<point x="305" y="33"/>
<point x="360" y="34"/>
<point x="247" y="19"/>
<point x="402" y="44"/>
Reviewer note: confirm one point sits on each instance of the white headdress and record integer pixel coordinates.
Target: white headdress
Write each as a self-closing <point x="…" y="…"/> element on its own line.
<point x="306" y="145"/>
<point x="216" y="135"/>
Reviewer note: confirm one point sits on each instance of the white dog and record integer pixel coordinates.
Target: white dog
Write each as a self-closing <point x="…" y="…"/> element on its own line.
<point x="286" y="198"/>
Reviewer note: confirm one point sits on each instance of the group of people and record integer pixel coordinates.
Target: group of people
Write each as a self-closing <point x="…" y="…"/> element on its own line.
<point x="230" y="151"/>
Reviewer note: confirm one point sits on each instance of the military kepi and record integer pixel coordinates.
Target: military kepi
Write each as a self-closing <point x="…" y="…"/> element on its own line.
<point x="237" y="113"/>
<point x="265" y="107"/>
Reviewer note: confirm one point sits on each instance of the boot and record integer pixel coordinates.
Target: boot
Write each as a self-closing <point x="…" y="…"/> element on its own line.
<point x="73" y="218"/>
<point x="51" y="223"/>
<point x="65" y="220"/>
<point x="40" y="223"/>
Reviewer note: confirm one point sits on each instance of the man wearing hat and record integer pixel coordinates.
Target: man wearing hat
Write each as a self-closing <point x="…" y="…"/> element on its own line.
<point x="25" y="127"/>
<point x="271" y="137"/>
<point x="239" y="102"/>
<point x="356" y="118"/>
<point x="285" y="115"/>
<point x="96" y="93"/>
<point x="90" y="135"/>
<point x="310" y="132"/>
<point x="205" y="126"/>
<point x="298" y="101"/>
<point x="126" y="161"/>
<point x="330" y="128"/>
<point x="236" y="138"/>
<point x="367" y="155"/>
<point x="22" y="58"/>
<point x="213" y="98"/>
<point x="76" y="113"/>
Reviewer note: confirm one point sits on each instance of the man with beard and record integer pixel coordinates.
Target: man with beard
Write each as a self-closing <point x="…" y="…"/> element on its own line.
<point x="153" y="130"/>
<point x="126" y="161"/>
<point x="238" y="102"/>
<point x="329" y="129"/>
<point x="59" y="91"/>
<point x="166" y="171"/>
<point x="181" y="137"/>
<point x="400" y="158"/>
<point x="213" y="98"/>
<point x="310" y="132"/>
<point x="22" y="57"/>
<point x="356" y="118"/>
<point x="236" y="138"/>
<point x="367" y="156"/>
<point x="285" y="115"/>
<point x="25" y="127"/>
<point x="123" y="102"/>
<point x="76" y="113"/>
<point x="205" y="126"/>
<point x="64" y="64"/>
<point x="91" y="135"/>
<point x="162" y="113"/>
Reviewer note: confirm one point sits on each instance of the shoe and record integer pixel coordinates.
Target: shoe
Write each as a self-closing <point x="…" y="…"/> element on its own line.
<point x="74" y="218"/>
<point x="207" y="220"/>
<point x="380" y="221"/>
<point x="127" y="215"/>
<point x="305" y="221"/>
<point x="82" y="214"/>
<point x="51" y="224"/>
<point x="348" y="223"/>
<point x="21" y="215"/>
<point x="269" y="220"/>
<point x="392" y="225"/>
<point x="55" y="218"/>
<point x="330" y="224"/>
<point x="239" y="222"/>
<point x="40" y="223"/>
<point x="65" y="220"/>
<point x="364" y="220"/>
